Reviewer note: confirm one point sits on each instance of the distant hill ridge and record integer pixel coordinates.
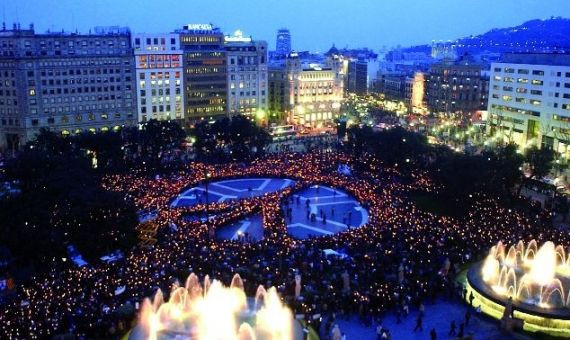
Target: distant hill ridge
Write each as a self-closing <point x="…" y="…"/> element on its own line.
<point x="532" y="36"/>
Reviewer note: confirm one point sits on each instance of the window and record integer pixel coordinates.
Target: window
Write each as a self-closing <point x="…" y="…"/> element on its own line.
<point x="497" y="69"/>
<point x="537" y="82"/>
<point x="523" y="71"/>
<point x="536" y="92"/>
<point x="537" y="73"/>
<point x="509" y="70"/>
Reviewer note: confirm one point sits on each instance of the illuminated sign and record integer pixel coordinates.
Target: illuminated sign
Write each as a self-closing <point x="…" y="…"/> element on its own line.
<point x="238" y="37"/>
<point x="203" y="27"/>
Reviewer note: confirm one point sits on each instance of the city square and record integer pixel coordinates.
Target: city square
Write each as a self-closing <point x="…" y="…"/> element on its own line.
<point x="289" y="170"/>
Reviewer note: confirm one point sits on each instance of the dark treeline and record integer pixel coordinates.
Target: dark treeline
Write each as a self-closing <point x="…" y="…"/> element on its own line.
<point x="496" y="173"/>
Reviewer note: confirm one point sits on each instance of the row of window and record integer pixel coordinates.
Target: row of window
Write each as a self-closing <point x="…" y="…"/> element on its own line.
<point x="534" y="72"/>
<point x="515" y="110"/>
<point x="79" y="118"/>
<point x="86" y="89"/>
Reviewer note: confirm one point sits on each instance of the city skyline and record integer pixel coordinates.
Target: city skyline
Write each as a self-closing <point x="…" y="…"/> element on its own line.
<point x="398" y="24"/>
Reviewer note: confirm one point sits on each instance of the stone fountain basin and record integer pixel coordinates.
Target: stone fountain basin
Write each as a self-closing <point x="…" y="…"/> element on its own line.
<point x="476" y="281"/>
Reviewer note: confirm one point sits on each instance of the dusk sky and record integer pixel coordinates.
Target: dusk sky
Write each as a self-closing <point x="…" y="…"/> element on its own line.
<point x="314" y="25"/>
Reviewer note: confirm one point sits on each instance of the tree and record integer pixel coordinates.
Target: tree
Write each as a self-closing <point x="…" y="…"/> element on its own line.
<point x="62" y="202"/>
<point x="235" y="139"/>
<point x="539" y="161"/>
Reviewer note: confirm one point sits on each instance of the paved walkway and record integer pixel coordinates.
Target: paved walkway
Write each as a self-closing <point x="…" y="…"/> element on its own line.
<point x="437" y="316"/>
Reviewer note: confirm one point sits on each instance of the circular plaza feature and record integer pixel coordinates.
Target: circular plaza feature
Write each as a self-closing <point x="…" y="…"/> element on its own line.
<point x="321" y="210"/>
<point x="230" y="189"/>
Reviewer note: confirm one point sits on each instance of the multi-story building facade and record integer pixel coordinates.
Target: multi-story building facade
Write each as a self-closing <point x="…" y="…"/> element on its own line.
<point x="278" y="90"/>
<point x="357" y="77"/>
<point x="529" y="100"/>
<point x="159" y="76"/>
<point x="310" y="94"/>
<point x="454" y="87"/>
<point x="67" y="83"/>
<point x="247" y="75"/>
<point x="205" y="72"/>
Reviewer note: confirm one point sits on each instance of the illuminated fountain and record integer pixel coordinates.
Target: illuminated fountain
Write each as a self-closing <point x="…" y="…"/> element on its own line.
<point x="536" y="280"/>
<point x="212" y="311"/>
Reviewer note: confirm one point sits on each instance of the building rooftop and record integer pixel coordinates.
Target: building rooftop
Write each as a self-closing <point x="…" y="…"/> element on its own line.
<point x="555" y="59"/>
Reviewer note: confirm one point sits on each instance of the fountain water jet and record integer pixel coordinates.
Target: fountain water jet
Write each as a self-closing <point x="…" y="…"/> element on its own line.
<point x="213" y="311"/>
<point x="537" y="279"/>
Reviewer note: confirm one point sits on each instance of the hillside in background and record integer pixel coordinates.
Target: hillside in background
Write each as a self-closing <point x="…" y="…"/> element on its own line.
<point x="533" y="36"/>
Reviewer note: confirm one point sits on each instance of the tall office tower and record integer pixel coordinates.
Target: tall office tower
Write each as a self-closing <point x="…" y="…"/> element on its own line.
<point x="358" y="77"/>
<point x="283" y="45"/>
<point x="247" y="75"/>
<point x="67" y="83"/>
<point x="158" y="60"/>
<point x="205" y="73"/>
<point x="529" y="100"/>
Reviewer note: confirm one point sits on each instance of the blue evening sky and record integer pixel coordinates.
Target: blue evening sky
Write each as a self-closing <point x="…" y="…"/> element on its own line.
<point x="314" y="24"/>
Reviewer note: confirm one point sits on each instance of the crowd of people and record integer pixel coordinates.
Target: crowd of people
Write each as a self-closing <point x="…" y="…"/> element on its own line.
<point x="403" y="258"/>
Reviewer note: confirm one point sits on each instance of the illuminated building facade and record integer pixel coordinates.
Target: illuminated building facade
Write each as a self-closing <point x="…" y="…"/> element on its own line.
<point x="159" y="76"/>
<point x="529" y="100"/>
<point x="67" y="83"/>
<point x="205" y="74"/>
<point x="455" y="87"/>
<point x="247" y="75"/>
<point x="417" y="91"/>
<point x="310" y="94"/>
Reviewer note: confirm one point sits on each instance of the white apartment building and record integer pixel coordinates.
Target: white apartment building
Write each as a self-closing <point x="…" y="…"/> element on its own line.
<point x="247" y="75"/>
<point x="529" y="101"/>
<point x="159" y="76"/>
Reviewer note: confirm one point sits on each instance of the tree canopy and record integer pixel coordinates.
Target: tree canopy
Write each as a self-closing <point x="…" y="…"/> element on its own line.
<point x="229" y="139"/>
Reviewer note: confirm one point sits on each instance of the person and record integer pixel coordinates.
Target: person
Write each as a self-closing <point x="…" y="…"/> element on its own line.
<point x="452" y="329"/>
<point x="433" y="334"/>
<point x="461" y="331"/>
<point x="336" y="334"/>
<point x="406" y="309"/>
<point x="422" y="309"/>
<point x="419" y="322"/>
<point x="379" y="331"/>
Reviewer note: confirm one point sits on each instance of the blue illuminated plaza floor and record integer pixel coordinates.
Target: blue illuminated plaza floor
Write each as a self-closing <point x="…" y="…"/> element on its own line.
<point x="437" y="316"/>
<point x="225" y="190"/>
<point x="341" y="211"/>
<point x="250" y="229"/>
